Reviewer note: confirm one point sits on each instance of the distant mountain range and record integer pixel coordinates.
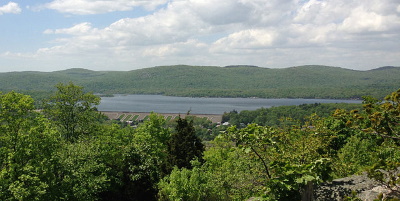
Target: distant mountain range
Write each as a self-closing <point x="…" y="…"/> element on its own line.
<point x="311" y="81"/>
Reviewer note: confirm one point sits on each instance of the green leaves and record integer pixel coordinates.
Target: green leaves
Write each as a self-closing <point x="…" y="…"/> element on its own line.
<point x="184" y="146"/>
<point x="72" y="110"/>
<point x="291" y="179"/>
<point x="82" y="171"/>
<point x="190" y="185"/>
<point x="70" y="156"/>
<point x="27" y="145"/>
<point x="384" y="117"/>
<point x="291" y="157"/>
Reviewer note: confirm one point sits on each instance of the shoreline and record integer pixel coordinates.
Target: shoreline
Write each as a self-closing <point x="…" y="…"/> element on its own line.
<point x="140" y="116"/>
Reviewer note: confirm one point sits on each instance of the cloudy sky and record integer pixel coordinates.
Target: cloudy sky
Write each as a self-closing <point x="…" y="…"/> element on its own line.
<point x="50" y="35"/>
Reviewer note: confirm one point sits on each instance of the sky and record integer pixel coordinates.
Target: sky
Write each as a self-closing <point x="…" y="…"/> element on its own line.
<point x="123" y="35"/>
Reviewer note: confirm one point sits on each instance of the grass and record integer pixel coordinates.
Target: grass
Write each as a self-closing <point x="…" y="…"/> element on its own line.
<point x="128" y="117"/>
<point x="121" y="117"/>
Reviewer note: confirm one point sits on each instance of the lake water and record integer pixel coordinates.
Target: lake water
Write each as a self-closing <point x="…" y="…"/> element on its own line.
<point x="170" y="104"/>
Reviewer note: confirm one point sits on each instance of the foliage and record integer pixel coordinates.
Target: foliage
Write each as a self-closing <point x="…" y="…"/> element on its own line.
<point x="150" y="140"/>
<point x="72" y="110"/>
<point x="117" y="153"/>
<point x="135" y="157"/>
<point x="203" y="127"/>
<point x="212" y="81"/>
<point x="190" y="185"/>
<point x="290" y="158"/>
<point x="82" y="171"/>
<point x="384" y="117"/>
<point x="382" y="120"/>
<point x="234" y="174"/>
<point x="256" y="140"/>
<point x="356" y="155"/>
<point x="98" y="160"/>
<point x="226" y="174"/>
<point x="294" y="181"/>
<point x="184" y="145"/>
<point x="27" y="145"/>
<point x="276" y="116"/>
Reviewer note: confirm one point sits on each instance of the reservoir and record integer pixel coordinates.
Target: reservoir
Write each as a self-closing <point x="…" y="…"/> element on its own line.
<point x="171" y="104"/>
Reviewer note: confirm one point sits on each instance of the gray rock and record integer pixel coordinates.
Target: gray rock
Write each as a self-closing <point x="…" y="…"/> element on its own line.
<point x="339" y="189"/>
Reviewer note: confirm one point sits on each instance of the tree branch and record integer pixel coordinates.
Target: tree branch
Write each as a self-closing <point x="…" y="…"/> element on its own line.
<point x="262" y="160"/>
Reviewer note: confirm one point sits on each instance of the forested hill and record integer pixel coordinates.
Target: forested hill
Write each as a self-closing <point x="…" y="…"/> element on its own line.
<point x="231" y="81"/>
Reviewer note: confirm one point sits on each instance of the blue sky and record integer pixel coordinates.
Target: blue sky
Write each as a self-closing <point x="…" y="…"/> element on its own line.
<point x="51" y="35"/>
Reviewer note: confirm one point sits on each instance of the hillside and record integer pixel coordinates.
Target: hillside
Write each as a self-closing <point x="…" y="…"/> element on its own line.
<point x="231" y="81"/>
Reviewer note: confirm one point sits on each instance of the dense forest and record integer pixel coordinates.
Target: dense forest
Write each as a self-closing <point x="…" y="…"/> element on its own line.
<point x="275" y="116"/>
<point x="68" y="150"/>
<point x="212" y="81"/>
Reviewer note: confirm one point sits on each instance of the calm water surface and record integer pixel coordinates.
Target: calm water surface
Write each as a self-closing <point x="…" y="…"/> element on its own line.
<point x="170" y="104"/>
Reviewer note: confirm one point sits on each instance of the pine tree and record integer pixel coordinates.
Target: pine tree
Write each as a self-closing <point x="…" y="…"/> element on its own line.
<point x="184" y="145"/>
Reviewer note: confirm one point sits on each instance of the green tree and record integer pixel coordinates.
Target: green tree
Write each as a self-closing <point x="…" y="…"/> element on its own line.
<point x="73" y="110"/>
<point x="81" y="171"/>
<point x="150" y="141"/>
<point x="226" y="174"/>
<point x="382" y="121"/>
<point x="184" y="146"/>
<point x="292" y="159"/>
<point x="233" y="174"/>
<point x="190" y="185"/>
<point x="16" y="114"/>
<point x="27" y="146"/>
<point x="384" y="117"/>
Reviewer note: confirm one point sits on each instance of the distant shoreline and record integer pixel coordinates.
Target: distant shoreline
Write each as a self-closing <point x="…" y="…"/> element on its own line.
<point x="141" y="116"/>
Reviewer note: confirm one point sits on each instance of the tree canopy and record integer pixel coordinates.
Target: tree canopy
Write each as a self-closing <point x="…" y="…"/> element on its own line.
<point x="72" y="109"/>
<point x="212" y="81"/>
<point x="42" y="159"/>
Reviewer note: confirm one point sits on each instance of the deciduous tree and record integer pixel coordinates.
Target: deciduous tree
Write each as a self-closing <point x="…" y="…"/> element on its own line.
<point x="27" y="145"/>
<point x="73" y="110"/>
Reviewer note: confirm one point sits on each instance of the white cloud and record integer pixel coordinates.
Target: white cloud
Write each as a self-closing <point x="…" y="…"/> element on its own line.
<point x="361" y="20"/>
<point x="85" y="7"/>
<point x="187" y="48"/>
<point x="79" y="29"/>
<point x="315" y="11"/>
<point x="172" y="25"/>
<point x="248" y="39"/>
<point x="160" y="51"/>
<point x="220" y="12"/>
<point x="273" y="33"/>
<point x="11" y="7"/>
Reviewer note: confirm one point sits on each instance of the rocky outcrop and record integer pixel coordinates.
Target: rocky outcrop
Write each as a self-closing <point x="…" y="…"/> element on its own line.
<point x="361" y="186"/>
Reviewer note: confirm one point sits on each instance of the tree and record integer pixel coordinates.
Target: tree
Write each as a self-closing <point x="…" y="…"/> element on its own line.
<point x="27" y="145"/>
<point x="135" y="159"/>
<point x="292" y="158"/>
<point x="188" y="185"/>
<point x="226" y="174"/>
<point x="384" y="117"/>
<point x="73" y="110"/>
<point x="382" y="121"/>
<point x="150" y="141"/>
<point x="15" y="115"/>
<point x="184" y="145"/>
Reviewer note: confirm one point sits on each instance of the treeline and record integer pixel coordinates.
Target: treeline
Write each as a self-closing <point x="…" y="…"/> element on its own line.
<point x="69" y="151"/>
<point x="275" y="116"/>
<point x="212" y="81"/>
